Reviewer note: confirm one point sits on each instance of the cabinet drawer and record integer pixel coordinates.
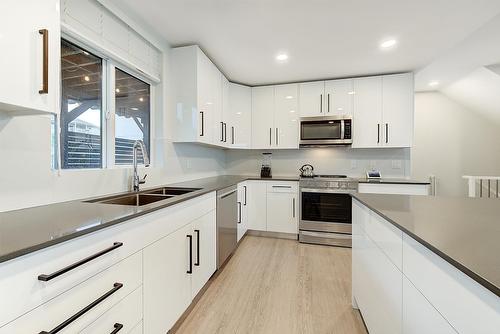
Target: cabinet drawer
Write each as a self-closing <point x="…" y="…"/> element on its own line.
<point x="282" y="187"/>
<point x="466" y="305"/>
<point x="387" y="237"/>
<point x="123" y="317"/>
<point x="22" y="290"/>
<point x="102" y="287"/>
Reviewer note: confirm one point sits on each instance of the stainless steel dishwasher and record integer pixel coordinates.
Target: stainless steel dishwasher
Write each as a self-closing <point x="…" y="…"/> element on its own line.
<point x="227" y="221"/>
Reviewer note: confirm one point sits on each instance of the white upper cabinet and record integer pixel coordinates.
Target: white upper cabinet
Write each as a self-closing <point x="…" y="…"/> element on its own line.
<point x="196" y="96"/>
<point x="339" y="96"/>
<point x="30" y="56"/>
<point x="367" y="120"/>
<point x="263" y="117"/>
<point x="227" y="117"/>
<point x="383" y="111"/>
<point x="312" y="99"/>
<point x="286" y="116"/>
<point x="397" y="97"/>
<point x="240" y="115"/>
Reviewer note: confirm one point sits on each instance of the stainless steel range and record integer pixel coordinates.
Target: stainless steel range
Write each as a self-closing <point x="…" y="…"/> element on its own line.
<point x="325" y="210"/>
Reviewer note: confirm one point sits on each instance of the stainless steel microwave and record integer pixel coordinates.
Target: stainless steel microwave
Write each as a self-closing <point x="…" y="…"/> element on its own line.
<point x="325" y="131"/>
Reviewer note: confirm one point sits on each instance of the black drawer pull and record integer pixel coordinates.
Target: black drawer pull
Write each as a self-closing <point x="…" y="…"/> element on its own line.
<point x="197" y="263"/>
<point x="116" y="287"/>
<point x="190" y="270"/>
<point x="48" y="277"/>
<point x="117" y="327"/>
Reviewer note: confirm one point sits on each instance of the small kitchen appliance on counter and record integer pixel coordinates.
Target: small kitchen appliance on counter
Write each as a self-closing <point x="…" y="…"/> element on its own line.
<point x="373" y="175"/>
<point x="306" y="171"/>
<point x="325" y="209"/>
<point x="265" y="169"/>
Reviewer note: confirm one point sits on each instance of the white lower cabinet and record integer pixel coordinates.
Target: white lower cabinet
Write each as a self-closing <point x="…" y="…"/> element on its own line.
<point x="257" y="205"/>
<point x="282" y="201"/>
<point x="242" y="209"/>
<point x="175" y="269"/>
<point x="108" y="287"/>
<point x="419" y="316"/>
<point x="123" y="318"/>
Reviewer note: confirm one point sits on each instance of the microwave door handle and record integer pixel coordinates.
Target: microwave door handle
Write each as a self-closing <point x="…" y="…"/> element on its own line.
<point x="342" y="129"/>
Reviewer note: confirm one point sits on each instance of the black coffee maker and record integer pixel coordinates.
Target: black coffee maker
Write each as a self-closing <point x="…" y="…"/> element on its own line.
<point x="265" y="169"/>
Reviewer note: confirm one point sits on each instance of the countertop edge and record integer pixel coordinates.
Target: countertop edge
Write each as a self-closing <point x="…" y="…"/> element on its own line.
<point x="479" y="279"/>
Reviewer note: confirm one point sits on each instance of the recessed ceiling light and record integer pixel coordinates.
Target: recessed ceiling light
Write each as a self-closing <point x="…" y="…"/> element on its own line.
<point x="387" y="44"/>
<point x="238" y="113"/>
<point x="117" y="90"/>
<point x="289" y="97"/>
<point x="340" y="109"/>
<point x="434" y="83"/>
<point x="351" y="92"/>
<point x="134" y="108"/>
<point x="292" y="111"/>
<point x="209" y="103"/>
<point x="282" y="57"/>
<point x="141" y="99"/>
<point x="86" y="78"/>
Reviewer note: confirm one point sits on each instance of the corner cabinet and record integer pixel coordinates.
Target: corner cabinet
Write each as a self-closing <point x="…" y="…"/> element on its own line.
<point x="30" y="58"/>
<point x="275" y="117"/>
<point x="383" y="110"/>
<point x="239" y="114"/>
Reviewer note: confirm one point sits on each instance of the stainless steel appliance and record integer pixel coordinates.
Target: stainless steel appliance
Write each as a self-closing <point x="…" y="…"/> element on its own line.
<point x="306" y="171"/>
<point x="325" y="131"/>
<point x="227" y="222"/>
<point x="325" y="210"/>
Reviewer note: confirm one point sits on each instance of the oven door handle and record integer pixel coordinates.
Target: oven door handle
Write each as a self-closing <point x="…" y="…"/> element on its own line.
<point x="327" y="191"/>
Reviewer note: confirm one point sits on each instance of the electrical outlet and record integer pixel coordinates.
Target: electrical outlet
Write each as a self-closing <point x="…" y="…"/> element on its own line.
<point x="396" y="164"/>
<point x="354" y="164"/>
<point x="188" y="163"/>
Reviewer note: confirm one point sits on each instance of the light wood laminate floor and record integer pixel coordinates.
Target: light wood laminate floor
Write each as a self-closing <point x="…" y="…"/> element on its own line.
<point x="279" y="286"/>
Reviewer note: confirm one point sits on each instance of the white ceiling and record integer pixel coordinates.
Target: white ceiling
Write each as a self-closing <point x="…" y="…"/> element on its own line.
<point x="324" y="38"/>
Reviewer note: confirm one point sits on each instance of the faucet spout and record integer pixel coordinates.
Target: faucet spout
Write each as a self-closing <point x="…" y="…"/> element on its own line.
<point x="139" y="145"/>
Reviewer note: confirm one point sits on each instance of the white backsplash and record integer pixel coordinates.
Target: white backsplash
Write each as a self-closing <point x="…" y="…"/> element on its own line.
<point x="336" y="160"/>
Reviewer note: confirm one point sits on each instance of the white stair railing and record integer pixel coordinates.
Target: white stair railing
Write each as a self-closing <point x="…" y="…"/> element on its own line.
<point x="483" y="186"/>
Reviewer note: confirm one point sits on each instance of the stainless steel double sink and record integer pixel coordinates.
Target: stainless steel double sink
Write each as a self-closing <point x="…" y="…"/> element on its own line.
<point x="144" y="197"/>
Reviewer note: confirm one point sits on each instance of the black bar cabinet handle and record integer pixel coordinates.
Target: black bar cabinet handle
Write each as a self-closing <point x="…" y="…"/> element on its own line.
<point x="225" y="132"/>
<point x="378" y="133"/>
<point x="277" y="140"/>
<point x="293" y="208"/>
<point x="202" y="124"/>
<point x="386" y="133"/>
<point x="270" y="136"/>
<point x="116" y="287"/>
<point x="221" y="131"/>
<point x="245" y="203"/>
<point x="117" y="327"/>
<point x="328" y="102"/>
<point x="45" y="66"/>
<point x="190" y="270"/>
<point x="232" y="135"/>
<point x="48" y="277"/>
<point x="239" y="212"/>
<point x="321" y="103"/>
<point x="197" y="263"/>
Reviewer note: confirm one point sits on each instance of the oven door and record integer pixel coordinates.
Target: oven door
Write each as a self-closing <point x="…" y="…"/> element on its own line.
<point x="326" y="211"/>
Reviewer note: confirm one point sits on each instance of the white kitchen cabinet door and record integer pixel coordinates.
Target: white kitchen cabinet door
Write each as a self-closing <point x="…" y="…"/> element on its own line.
<point x="419" y="316"/>
<point x="263" y="131"/>
<point x="397" y="100"/>
<point x="282" y="216"/>
<point x="286" y="116"/>
<point x="367" y="113"/>
<point x="379" y="292"/>
<point x="21" y="59"/>
<point x="204" y="251"/>
<point x="242" y="209"/>
<point x="312" y="99"/>
<point x="339" y="95"/>
<point x="257" y="205"/>
<point x="206" y="103"/>
<point x="227" y="116"/>
<point x="219" y="137"/>
<point x="167" y="283"/>
<point x="240" y="111"/>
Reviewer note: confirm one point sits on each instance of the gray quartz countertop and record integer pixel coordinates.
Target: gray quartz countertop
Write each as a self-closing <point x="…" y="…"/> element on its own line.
<point x="27" y="230"/>
<point x="463" y="231"/>
<point x="391" y="181"/>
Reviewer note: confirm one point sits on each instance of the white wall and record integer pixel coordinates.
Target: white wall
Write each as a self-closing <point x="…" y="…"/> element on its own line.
<point x="451" y="141"/>
<point x="337" y="160"/>
<point x="26" y="178"/>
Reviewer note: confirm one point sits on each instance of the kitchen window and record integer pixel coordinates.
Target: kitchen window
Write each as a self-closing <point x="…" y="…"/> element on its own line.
<point x="104" y="110"/>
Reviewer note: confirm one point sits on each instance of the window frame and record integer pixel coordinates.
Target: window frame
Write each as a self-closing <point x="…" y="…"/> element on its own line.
<point x="108" y="110"/>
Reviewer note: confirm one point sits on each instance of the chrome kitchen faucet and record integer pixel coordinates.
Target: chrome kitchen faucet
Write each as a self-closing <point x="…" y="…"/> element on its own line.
<point x="139" y="144"/>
